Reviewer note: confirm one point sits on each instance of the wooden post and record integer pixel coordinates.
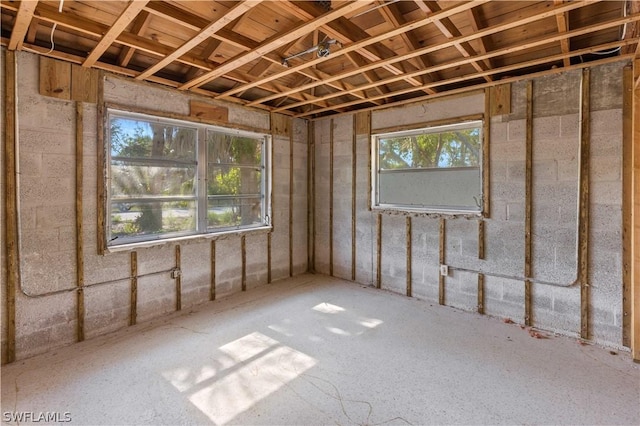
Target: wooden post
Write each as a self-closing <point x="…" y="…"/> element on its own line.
<point x="354" y="168"/>
<point x="212" y="288"/>
<point x="481" y="293"/>
<point x="269" y="235"/>
<point x="442" y="251"/>
<point x="331" y="199"/>
<point x="79" y="217"/>
<point x="291" y="199"/>
<point x="101" y="210"/>
<point x="243" y="249"/>
<point x="11" y="202"/>
<point x="379" y="250"/>
<point x="409" y="273"/>
<point x="481" y="256"/>
<point x="178" y="280"/>
<point x="486" y="152"/>
<point x="480" y="239"/>
<point x="528" y="246"/>
<point x="311" y="197"/>
<point x="635" y="221"/>
<point x="134" y="289"/>
<point x="627" y="198"/>
<point x="583" y="220"/>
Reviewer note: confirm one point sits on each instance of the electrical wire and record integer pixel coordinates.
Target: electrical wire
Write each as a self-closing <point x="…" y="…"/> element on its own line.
<point x="53" y="30"/>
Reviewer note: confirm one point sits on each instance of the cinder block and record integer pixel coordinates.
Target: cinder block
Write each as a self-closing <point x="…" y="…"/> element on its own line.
<point x="606" y="122"/>
<point x="547" y="127"/>
<point x="516" y="171"/>
<point x="606" y="86"/>
<point x="606" y="192"/>
<point x="606" y="169"/>
<point x="31" y="164"/>
<point x="499" y="131"/>
<point x="58" y="165"/>
<point x="569" y="126"/>
<point x="517" y="131"/>
<point x="498" y="171"/>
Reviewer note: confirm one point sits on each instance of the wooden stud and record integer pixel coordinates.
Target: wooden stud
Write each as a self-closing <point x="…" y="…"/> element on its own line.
<point x="133" y="317"/>
<point x="583" y="219"/>
<point x="635" y="222"/>
<point x="481" y="293"/>
<point x="212" y="287"/>
<point x="354" y="169"/>
<point x="291" y="183"/>
<point x="379" y="251"/>
<point x="528" y="240"/>
<point x="55" y="78"/>
<point x="21" y="24"/>
<point x="500" y="99"/>
<point x="363" y="123"/>
<point x="481" y="239"/>
<point x="243" y="250"/>
<point x="409" y="255"/>
<point x="11" y="203"/>
<point x="84" y="84"/>
<point x="178" y="279"/>
<point x="627" y="197"/>
<point x="79" y="219"/>
<point x="206" y="111"/>
<point x="311" y="197"/>
<point x="331" y="137"/>
<point x="441" y="258"/>
<point x="486" y="156"/>
<point x="269" y="236"/>
<point x="101" y="207"/>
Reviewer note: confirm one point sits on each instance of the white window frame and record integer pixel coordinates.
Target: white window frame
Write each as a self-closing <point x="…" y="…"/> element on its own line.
<point x="376" y="204"/>
<point x="201" y="196"/>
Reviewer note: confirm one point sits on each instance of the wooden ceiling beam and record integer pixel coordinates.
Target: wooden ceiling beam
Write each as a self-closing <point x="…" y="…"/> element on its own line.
<point x="354" y="46"/>
<point x="487" y="31"/>
<point x="562" y="21"/>
<point x="369" y="75"/>
<point x="237" y="10"/>
<point x="21" y="25"/>
<point x="208" y="51"/>
<point x="276" y="42"/>
<point x="140" y="25"/>
<point x="128" y="14"/>
<point x="346" y="32"/>
<point x="449" y="29"/>
<point x="474" y="20"/>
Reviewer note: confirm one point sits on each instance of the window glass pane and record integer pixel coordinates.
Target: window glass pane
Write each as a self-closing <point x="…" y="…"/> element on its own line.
<point x="229" y="180"/>
<point x="129" y="179"/>
<point x="140" y="219"/>
<point x="452" y="148"/>
<point x="225" y="212"/>
<point x="230" y="149"/>
<point x="134" y="138"/>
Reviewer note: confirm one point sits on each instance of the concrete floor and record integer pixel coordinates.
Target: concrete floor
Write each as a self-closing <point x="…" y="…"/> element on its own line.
<point x="317" y="350"/>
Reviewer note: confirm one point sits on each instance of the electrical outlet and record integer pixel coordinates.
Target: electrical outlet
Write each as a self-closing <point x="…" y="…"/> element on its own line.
<point x="444" y="270"/>
<point x="176" y="273"/>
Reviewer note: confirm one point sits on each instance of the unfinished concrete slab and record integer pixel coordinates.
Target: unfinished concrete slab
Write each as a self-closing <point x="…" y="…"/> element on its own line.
<point x="319" y="350"/>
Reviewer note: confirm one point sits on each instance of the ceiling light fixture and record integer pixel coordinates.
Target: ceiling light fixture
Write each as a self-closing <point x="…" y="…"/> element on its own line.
<point x="323" y="49"/>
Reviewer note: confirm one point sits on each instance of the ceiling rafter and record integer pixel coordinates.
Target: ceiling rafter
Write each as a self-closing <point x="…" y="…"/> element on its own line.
<point x="451" y="42"/>
<point x="346" y="32"/>
<point x="128" y="14"/>
<point x="371" y="40"/>
<point x="275" y="42"/>
<point x="23" y="21"/>
<point x="449" y="29"/>
<point x="544" y="40"/>
<point x="139" y="26"/>
<point x="474" y="20"/>
<point x="562" y="21"/>
<point x="232" y="14"/>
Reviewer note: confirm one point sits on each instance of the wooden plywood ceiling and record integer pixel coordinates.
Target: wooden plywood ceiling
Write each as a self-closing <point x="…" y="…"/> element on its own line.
<point x="315" y="58"/>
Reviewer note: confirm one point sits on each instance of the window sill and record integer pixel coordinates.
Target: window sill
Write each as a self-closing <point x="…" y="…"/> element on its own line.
<point x="189" y="239"/>
<point x="425" y="212"/>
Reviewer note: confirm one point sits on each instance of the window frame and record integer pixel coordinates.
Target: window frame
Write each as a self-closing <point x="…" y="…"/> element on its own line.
<point x="201" y="195"/>
<point x="424" y="129"/>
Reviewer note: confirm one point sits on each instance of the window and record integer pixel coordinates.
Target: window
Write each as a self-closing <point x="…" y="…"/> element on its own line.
<point x="430" y="169"/>
<point x="170" y="178"/>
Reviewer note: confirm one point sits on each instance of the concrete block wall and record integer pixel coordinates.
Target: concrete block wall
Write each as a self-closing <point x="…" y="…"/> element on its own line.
<point x="556" y="137"/>
<point x="46" y="142"/>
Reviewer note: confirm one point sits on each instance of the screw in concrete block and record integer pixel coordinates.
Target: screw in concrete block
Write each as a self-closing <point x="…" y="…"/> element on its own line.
<point x="444" y="270"/>
<point x="176" y="273"/>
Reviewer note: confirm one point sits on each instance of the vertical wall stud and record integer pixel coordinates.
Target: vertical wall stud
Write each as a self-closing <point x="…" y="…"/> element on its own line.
<point x="442" y="257"/>
<point x="243" y="249"/>
<point x="486" y="154"/>
<point x="409" y="255"/>
<point x="212" y="288"/>
<point x="480" y="239"/>
<point x="269" y="237"/>
<point x="528" y="246"/>
<point x="133" y="317"/>
<point x="311" y="196"/>
<point x="331" y="199"/>
<point x="635" y="221"/>
<point x="627" y="197"/>
<point x="583" y="219"/>
<point x="379" y="250"/>
<point x="354" y="167"/>
<point x="79" y="218"/>
<point x="178" y="280"/>
<point x="101" y="209"/>
<point x="11" y="203"/>
<point x="291" y="199"/>
<point x="481" y="293"/>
